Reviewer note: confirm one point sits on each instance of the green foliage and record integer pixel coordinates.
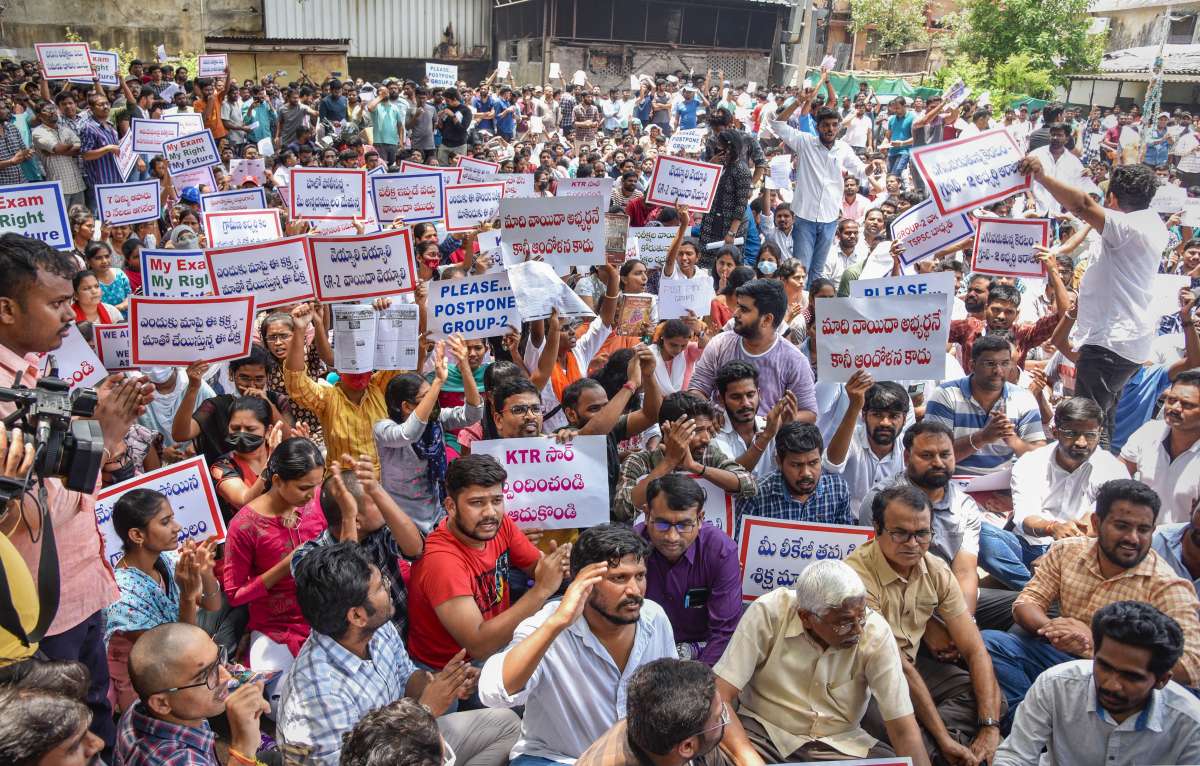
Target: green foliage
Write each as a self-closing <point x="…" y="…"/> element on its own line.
<point x="896" y="24"/>
<point x="1018" y="76"/>
<point x="126" y="55"/>
<point x="1052" y="34"/>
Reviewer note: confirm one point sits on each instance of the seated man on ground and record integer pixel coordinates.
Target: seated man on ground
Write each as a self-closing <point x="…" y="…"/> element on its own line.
<point x="800" y="490"/>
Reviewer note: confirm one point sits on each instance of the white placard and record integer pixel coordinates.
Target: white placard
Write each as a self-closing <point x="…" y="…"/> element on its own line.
<point x="503" y="68"/>
<point x="449" y="175"/>
<point x="473" y="307"/>
<point x="774" y="552"/>
<point x="107" y="66"/>
<point x="539" y="290"/>
<point x="690" y="182"/>
<point x="237" y="199"/>
<point x="212" y="64"/>
<point x="201" y="178"/>
<point x="122" y="204"/>
<point x="276" y="273"/>
<point x="924" y="231"/>
<point x="649" y="244"/>
<point x="340" y="228"/>
<point x="1169" y="199"/>
<point x="441" y="75"/>
<point x="188" y="122"/>
<point x="563" y="231"/>
<point x="677" y="296"/>
<point x="397" y="337"/>
<point x="113" y="346"/>
<point x="365" y="340"/>
<point x="972" y="171"/>
<point x="241" y="227"/>
<point x="579" y="78"/>
<point x="175" y="274"/>
<point x="555" y="71"/>
<point x="468" y="205"/>
<point x="126" y="158"/>
<point x="188" y="488"/>
<point x="76" y="363"/>
<point x="328" y="194"/>
<point x="718" y="506"/>
<point x="689" y="141"/>
<point x="354" y="268"/>
<point x="780" y="176"/>
<point x="829" y="62"/>
<point x="190" y="152"/>
<point x="515" y="184"/>
<point x="898" y="338"/>
<point x="1191" y="213"/>
<point x="180" y="331"/>
<point x="476" y="171"/>
<point x="413" y="197"/>
<point x="62" y="61"/>
<point x="553" y="486"/>
<point x="241" y="171"/>
<point x="941" y="282"/>
<point x="150" y="135"/>
<point x="584" y="187"/>
<point x="1165" y="293"/>
<point x="1005" y="246"/>
<point x="36" y="211"/>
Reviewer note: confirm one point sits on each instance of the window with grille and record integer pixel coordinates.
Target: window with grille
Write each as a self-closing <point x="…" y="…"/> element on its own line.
<point x="732" y="66"/>
<point x="609" y="63"/>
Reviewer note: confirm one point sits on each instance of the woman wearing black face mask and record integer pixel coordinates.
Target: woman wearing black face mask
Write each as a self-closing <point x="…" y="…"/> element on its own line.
<point x="250" y="438"/>
<point x="141" y="454"/>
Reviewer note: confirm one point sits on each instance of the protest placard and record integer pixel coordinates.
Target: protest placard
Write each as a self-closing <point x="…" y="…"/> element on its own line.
<point x="237" y="199"/>
<point x="677" y="296"/>
<point x="550" y="485"/>
<point x="188" y="122"/>
<point x="179" y="331"/>
<point x="967" y="172"/>
<point x="687" y="141"/>
<point x="188" y="488"/>
<point x="539" y="290"/>
<point x="122" y="204"/>
<point x="1005" y="246"/>
<point x="584" y="187"/>
<point x="718" y="505"/>
<point x="397" y="337"/>
<point x="941" y="282"/>
<point x="353" y="337"/>
<point x="780" y="175"/>
<point x="1169" y="199"/>
<point x="340" y="228"/>
<point x="113" y="346"/>
<point x="365" y="340"/>
<point x="126" y="158"/>
<point x="241" y="171"/>
<point x="468" y="205"/>
<point x="36" y="211"/>
<point x="175" y="274"/>
<point x="62" y="61"/>
<point x="474" y="307"/>
<point x="515" y="184"/>
<point x="195" y="150"/>
<point x="241" y="227"/>
<point x="476" y="171"/>
<point x="924" y="231"/>
<point x="774" y="552"/>
<point x="276" y="273"/>
<point x="150" y="135"/>
<point x="413" y="197"/>
<point x="370" y="266"/>
<point x="76" y="363"/>
<point x="328" y="194"/>
<point x="689" y="182"/>
<point x="1164" y="293"/>
<point x="503" y="68"/>
<point x="616" y="233"/>
<point x="107" y="65"/>
<point x="649" y="244"/>
<point x="440" y="75"/>
<point x="449" y="175"/>
<point x="563" y="231"/>
<point x="902" y="337"/>
<point x="555" y="71"/>
<point x="212" y="64"/>
<point x="634" y="315"/>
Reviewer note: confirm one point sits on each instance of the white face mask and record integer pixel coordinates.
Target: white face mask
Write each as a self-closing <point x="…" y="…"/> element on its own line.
<point x="158" y="375"/>
<point x="767" y="267"/>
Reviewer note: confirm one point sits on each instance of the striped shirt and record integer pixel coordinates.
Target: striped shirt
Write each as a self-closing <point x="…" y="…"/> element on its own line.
<point x="952" y="404"/>
<point x="96" y="135"/>
<point x="59" y="167"/>
<point x="10" y="144"/>
<point x="828" y="504"/>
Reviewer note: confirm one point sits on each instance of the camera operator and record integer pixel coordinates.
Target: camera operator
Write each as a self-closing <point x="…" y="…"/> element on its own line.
<point x="35" y="316"/>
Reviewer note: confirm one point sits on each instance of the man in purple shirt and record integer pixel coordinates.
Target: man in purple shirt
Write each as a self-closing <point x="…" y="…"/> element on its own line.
<point x="98" y="148"/>
<point x="692" y="571"/>
<point x="761" y="307"/>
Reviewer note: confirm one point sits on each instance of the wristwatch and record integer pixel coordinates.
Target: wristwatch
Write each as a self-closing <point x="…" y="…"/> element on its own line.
<point x="985" y="722"/>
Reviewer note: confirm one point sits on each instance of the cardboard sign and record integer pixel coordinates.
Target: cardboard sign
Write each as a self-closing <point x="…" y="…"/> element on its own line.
<point x="550" y="485"/>
<point x="241" y="227"/>
<point x="238" y="199"/>
<point x="649" y="244"/>
<point x="902" y="337"/>
<point x="924" y="231"/>
<point x="584" y="187"/>
<point x="113" y="346"/>
<point x="563" y="231"/>
<point x="677" y="296"/>
<point x="76" y="362"/>
<point x="774" y="552"/>
<point x="188" y="122"/>
<point x="122" y="204"/>
<point x="241" y="171"/>
<point x="106" y="65"/>
<point x="365" y="340"/>
<point x="449" y="175"/>
<point x="515" y="184"/>
<point x="195" y="150"/>
<point x="328" y="194"/>
<point x="676" y="180"/>
<point x="354" y="268"/>
<point x="468" y="205"/>
<point x="150" y="135"/>
<point x="212" y="64"/>
<point x="476" y="171"/>
<point x="413" y="197"/>
<point x="941" y="282"/>
<point x="62" y="61"/>
<point x="473" y="307"/>
<point x="968" y="172"/>
<point x="179" y="331"/>
<point x="441" y="75"/>
<point x="276" y="273"/>
<point x="1004" y="246"/>
<point x="36" y="211"/>
<point x="188" y="488"/>
<point x="175" y="274"/>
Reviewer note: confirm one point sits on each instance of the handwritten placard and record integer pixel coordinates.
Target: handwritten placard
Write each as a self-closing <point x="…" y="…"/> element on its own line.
<point x="474" y="307"/>
<point x="126" y="158"/>
<point x="1169" y="199"/>
<point x="212" y="64"/>
<point x="774" y="552"/>
<point x="584" y="187"/>
<point x="440" y="75"/>
<point x="468" y="205"/>
<point x="1005" y="246"/>
<point x="196" y="150"/>
<point x="62" y="61"/>
<point x="241" y="227"/>
<point x="649" y="244"/>
<point x="902" y="337"/>
<point x="113" y="346"/>
<point x="122" y="204"/>
<point x="413" y="197"/>
<point x="353" y="268"/>
<point x="449" y="175"/>
<point x="188" y="488"/>
<point x="106" y="65"/>
<point x="36" y="211"/>
<point x="689" y="182"/>
<point x="972" y="171"/>
<point x="476" y="171"/>
<point x="563" y="231"/>
<point x="676" y="297"/>
<point x="328" y="194"/>
<point x="150" y="135"/>
<point x="76" y="363"/>
<point x="924" y="231"/>
<point x="188" y="122"/>
<point x="550" y="485"/>
<point x="515" y="184"/>
<point x="276" y="273"/>
<point x="175" y="274"/>
<point x="180" y="331"/>
<point x="237" y="199"/>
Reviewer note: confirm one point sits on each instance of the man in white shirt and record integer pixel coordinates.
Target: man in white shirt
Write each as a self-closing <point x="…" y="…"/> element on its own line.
<point x="858" y="129"/>
<point x="1114" y="330"/>
<point x="780" y="235"/>
<point x="571" y="673"/>
<point x="867" y="455"/>
<point x="1165" y="454"/>
<point x="846" y="249"/>
<point x="1060" y="165"/>
<point x="747" y="437"/>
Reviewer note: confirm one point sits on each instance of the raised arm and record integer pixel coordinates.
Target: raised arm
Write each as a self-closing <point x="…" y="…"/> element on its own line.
<point x="1075" y="201"/>
<point x="673" y="251"/>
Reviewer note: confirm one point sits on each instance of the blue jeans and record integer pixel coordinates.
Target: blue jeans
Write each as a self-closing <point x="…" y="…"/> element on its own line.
<point x="810" y="245"/>
<point x="532" y="760"/>
<point x="1018" y="658"/>
<point x="897" y="162"/>
<point x="1001" y="556"/>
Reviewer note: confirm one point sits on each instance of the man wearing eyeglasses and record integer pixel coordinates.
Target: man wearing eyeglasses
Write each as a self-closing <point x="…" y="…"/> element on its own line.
<point x="959" y="710"/>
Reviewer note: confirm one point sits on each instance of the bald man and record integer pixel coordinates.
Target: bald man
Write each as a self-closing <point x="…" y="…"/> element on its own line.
<point x="181" y="681"/>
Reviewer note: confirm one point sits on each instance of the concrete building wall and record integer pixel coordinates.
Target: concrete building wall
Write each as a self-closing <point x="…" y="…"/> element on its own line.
<point x="1135" y="27"/>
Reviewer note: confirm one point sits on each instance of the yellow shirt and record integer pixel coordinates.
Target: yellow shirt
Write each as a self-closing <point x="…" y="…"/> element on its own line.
<point x="24" y="598"/>
<point x="800" y="691"/>
<point x="347" y="426"/>
<point x="907" y="605"/>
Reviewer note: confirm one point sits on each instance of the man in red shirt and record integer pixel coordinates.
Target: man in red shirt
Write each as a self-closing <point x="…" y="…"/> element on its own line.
<point x="459" y="590"/>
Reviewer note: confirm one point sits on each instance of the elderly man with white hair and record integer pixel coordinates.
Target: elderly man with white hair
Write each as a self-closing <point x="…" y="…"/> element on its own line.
<point x="804" y="663"/>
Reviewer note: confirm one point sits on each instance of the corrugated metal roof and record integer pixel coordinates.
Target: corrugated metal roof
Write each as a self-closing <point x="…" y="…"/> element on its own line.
<point x="1179" y="59"/>
<point x="1116" y="6"/>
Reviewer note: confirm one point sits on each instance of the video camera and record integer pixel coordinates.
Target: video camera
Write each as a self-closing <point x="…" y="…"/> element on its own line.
<point x="66" y="448"/>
